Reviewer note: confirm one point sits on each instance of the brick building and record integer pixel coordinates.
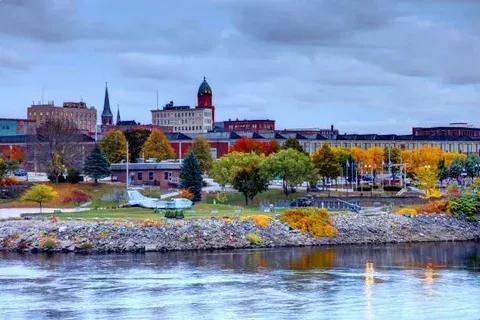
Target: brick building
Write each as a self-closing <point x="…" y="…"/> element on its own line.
<point x="187" y="119"/>
<point x="17" y="127"/>
<point x="265" y="125"/>
<point x="165" y="174"/>
<point x="85" y="118"/>
<point x="453" y="130"/>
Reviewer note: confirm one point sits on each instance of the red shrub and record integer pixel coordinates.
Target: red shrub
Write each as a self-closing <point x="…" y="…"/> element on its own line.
<point x="77" y="197"/>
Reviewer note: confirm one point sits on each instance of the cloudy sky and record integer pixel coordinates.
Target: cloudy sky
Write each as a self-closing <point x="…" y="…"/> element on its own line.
<point x="365" y="66"/>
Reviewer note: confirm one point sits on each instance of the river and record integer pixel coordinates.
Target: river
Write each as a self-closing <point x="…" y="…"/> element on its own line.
<point x="403" y="281"/>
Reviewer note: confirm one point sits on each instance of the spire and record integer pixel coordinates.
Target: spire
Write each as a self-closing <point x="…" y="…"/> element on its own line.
<point x="118" y="115"/>
<point x="106" y="104"/>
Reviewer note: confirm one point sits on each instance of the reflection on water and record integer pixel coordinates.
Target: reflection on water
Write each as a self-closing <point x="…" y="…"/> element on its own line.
<point x="407" y="281"/>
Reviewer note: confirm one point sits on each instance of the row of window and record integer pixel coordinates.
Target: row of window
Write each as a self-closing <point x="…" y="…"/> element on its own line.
<point x="151" y="175"/>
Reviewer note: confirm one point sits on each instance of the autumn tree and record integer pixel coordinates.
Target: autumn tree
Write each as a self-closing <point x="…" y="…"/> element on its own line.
<point x="158" y="147"/>
<point x="327" y="164"/>
<point x="250" y="181"/>
<point x="114" y="146"/>
<point x="427" y="181"/>
<point x="40" y="193"/>
<point x="136" y="138"/>
<point x="201" y="149"/>
<point x="57" y="146"/>
<point x="247" y="145"/>
<point x="290" y="165"/>
<point x="224" y="169"/>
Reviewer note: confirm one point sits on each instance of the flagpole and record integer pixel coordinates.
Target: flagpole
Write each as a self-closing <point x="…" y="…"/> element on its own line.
<point x="127" y="169"/>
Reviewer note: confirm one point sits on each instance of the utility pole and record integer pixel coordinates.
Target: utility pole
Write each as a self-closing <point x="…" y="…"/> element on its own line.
<point x="128" y="176"/>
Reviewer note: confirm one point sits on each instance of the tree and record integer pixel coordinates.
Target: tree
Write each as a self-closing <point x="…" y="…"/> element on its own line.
<point x="427" y="181"/>
<point x="114" y="146"/>
<point x="250" y="181"/>
<point x="290" y="165"/>
<point x="292" y="143"/>
<point x="270" y="147"/>
<point x="96" y="165"/>
<point x="158" y="147"/>
<point x="224" y="169"/>
<point x="456" y="168"/>
<point x="191" y="176"/>
<point x="7" y="166"/>
<point x="201" y="149"/>
<point x="248" y="145"/>
<point x="136" y="139"/>
<point x="77" y="197"/>
<point x="472" y="165"/>
<point x="326" y="162"/>
<point x="57" y="147"/>
<point x="40" y="193"/>
<point x="442" y="170"/>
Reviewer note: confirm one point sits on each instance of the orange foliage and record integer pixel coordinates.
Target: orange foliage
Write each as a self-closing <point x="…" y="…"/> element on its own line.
<point x="77" y="197"/>
<point x="248" y="145"/>
<point x="438" y="206"/>
<point x="371" y="157"/>
<point x="9" y="181"/>
<point x="420" y="158"/>
<point x="314" y="221"/>
<point x="260" y="220"/>
<point x="185" y="193"/>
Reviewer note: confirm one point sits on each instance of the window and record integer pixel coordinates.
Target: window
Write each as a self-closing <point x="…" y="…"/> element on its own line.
<point x="165" y="175"/>
<point x="140" y="176"/>
<point x="150" y="175"/>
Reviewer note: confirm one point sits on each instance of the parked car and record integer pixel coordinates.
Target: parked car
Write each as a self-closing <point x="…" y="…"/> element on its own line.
<point x="20" y="173"/>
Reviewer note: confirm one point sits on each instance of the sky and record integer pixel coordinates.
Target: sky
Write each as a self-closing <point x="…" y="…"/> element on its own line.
<point x="370" y="66"/>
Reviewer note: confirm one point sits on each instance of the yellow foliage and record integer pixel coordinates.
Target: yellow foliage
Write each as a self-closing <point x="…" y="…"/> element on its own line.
<point x="372" y="157"/>
<point x="314" y="221"/>
<point x="260" y="220"/>
<point x="452" y="156"/>
<point x="419" y="158"/>
<point x="432" y="193"/>
<point x="254" y="238"/>
<point x="407" y="211"/>
<point x="149" y="223"/>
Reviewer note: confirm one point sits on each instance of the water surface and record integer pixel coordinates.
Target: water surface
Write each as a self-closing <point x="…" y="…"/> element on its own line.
<point x="407" y="281"/>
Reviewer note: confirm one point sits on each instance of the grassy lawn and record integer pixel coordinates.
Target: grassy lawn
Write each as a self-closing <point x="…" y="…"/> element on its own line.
<point x="237" y="199"/>
<point x="64" y="190"/>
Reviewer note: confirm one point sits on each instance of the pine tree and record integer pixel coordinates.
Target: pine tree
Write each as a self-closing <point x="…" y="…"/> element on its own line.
<point x="158" y="147"/>
<point x="191" y="176"/>
<point x="96" y="165"/>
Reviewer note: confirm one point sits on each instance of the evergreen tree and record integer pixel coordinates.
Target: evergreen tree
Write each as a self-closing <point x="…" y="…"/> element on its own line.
<point x="201" y="149"/>
<point x="292" y="143"/>
<point x="191" y="176"/>
<point x="442" y="170"/>
<point x="96" y="165"/>
<point x="250" y="181"/>
<point x="158" y="147"/>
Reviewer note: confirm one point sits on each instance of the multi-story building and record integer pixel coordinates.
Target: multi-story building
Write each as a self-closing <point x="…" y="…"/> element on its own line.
<point x="85" y="118"/>
<point x="186" y="119"/>
<point x="457" y="129"/>
<point x="17" y="127"/>
<point x="264" y="125"/>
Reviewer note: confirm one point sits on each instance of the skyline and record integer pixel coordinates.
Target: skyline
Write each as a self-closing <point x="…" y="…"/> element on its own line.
<point x="363" y="68"/>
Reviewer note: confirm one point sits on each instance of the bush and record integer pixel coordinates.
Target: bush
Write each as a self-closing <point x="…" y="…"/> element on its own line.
<point x="61" y="178"/>
<point x="392" y="188"/>
<point x="73" y="176"/>
<point x="185" y="193"/>
<point x="254" y="238"/>
<point x="314" y="221"/>
<point x="77" y="197"/>
<point x="260" y="220"/>
<point x="465" y="205"/>
<point x="174" y="214"/>
<point x="407" y="211"/>
<point x="364" y="188"/>
<point x="437" y="206"/>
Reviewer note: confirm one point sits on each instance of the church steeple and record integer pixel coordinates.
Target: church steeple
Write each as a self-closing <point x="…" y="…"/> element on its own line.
<point x="118" y="115"/>
<point x="107" y="116"/>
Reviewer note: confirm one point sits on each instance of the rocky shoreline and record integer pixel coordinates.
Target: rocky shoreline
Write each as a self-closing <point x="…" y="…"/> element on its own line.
<point x="211" y="234"/>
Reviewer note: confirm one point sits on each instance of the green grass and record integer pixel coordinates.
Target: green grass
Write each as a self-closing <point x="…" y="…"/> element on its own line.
<point x="237" y="199"/>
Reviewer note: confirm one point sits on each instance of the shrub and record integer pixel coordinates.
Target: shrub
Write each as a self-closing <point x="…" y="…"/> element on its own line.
<point x="174" y="214"/>
<point x="437" y="206"/>
<point x="254" y="238"/>
<point x="260" y="220"/>
<point x="392" y="188"/>
<point x="149" y="223"/>
<point x="48" y="242"/>
<point x="73" y="176"/>
<point x="77" y="197"/>
<point x="465" y="205"/>
<point x="185" y="193"/>
<point x="315" y="221"/>
<point x="453" y="190"/>
<point x="61" y="178"/>
<point x="407" y="211"/>
<point x="9" y="181"/>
